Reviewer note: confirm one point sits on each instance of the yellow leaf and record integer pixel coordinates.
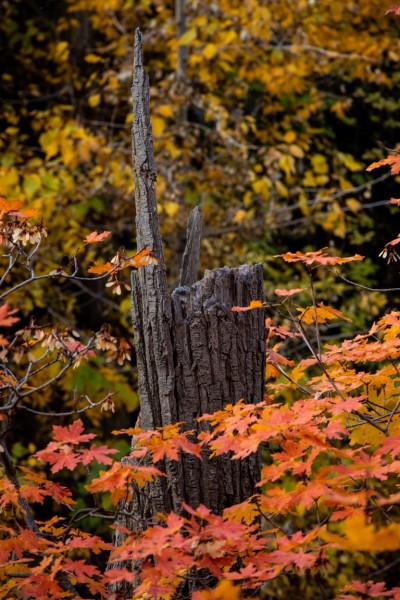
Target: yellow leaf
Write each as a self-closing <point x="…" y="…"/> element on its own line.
<point x="350" y="162"/>
<point x="289" y="137"/>
<point x="83" y="149"/>
<point x="239" y="216"/>
<point x="68" y="154"/>
<point x="296" y="151"/>
<point x="281" y="189"/>
<point x="11" y="131"/>
<point x="209" y="51"/>
<point x="94" y="100"/>
<point x="61" y="51"/>
<point x="189" y="36"/>
<point x="171" y="208"/>
<point x="9" y="178"/>
<point x="321" y="312"/>
<point x="320" y="166"/>
<point x="165" y="110"/>
<point x="304" y="204"/>
<point x="262" y="186"/>
<point x="227" y="37"/>
<point x="158" y="126"/>
<point x="340" y="107"/>
<point x="363" y="537"/>
<point x="353" y="205"/>
<point x="287" y="164"/>
<point x="225" y="590"/>
<point x="93" y="58"/>
<point x="50" y="144"/>
<point x="31" y="184"/>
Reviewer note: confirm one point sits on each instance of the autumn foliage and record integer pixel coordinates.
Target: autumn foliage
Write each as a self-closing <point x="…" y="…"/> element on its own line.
<point x="328" y="430"/>
<point x="325" y="521"/>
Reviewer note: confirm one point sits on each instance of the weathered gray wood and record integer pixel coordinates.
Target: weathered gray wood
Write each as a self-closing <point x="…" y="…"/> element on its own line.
<point x="151" y="305"/>
<point x="194" y="354"/>
<point x="191" y="256"/>
<point x="182" y="51"/>
<point x="219" y="359"/>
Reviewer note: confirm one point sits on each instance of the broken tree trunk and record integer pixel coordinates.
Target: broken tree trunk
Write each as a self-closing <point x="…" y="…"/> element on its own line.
<point x="194" y="355"/>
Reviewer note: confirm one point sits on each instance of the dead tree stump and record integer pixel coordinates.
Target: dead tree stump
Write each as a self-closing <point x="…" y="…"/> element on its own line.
<point x="194" y="355"/>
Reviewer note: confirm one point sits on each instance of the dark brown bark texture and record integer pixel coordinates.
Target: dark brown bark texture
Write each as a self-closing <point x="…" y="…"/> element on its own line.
<point x="194" y="355"/>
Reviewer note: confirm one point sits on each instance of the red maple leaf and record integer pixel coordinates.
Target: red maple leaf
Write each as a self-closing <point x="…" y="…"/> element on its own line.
<point x="80" y="569"/>
<point x="72" y="434"/>
<point x="59" y="456"/>
<point x="98" y="453"/>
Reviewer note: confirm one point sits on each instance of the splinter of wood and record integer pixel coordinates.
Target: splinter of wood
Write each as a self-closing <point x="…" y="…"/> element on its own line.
<point x="191" y="256"/>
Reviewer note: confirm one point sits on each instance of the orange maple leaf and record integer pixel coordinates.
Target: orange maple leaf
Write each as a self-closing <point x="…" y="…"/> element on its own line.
<point x="143" y="259"/>
<point x="393" y="160"/>
<point x="281" y="292"/>
<point x="100" y="268"/>
<point x="30" y="212"/>
<point x="321" y="312"/>
<point x="393" y="9"/>
<point x="6" y="320"/>
<point x="320" y="257"/>
<point x="393" y="242"/>
<point x="225" y="590"/>
<point x="253" y="304"/>
<point x="94" y="237"/>
<point x="119" y="476"/>
<point x="7" y="206"/>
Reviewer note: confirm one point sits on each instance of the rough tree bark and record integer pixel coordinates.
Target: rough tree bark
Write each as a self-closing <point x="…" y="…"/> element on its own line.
<point x="194" y="355"/>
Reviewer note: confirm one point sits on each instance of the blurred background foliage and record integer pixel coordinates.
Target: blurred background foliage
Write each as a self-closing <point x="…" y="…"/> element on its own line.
<point x="265" y="112"/>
